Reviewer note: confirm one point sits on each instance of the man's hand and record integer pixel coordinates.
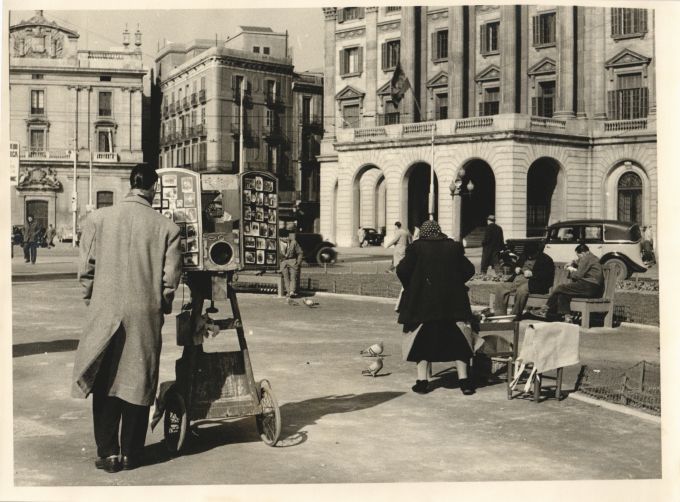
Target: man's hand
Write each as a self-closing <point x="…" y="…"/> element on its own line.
<point x="528" y="273"/>
<point x="518" y="270"/>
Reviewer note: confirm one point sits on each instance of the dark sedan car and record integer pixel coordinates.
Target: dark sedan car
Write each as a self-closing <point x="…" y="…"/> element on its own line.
<point x="372" y="237"/>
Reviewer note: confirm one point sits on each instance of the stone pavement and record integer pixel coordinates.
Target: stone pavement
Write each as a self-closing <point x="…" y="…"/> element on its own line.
<point x="338" y="426"/>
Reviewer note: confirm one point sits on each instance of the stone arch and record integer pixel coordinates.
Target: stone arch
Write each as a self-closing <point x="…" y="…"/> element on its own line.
<point x="546" y="194"/>
<point x="364" y="195"/>
<point x="415" y="187"/>
<point x="611" y="191"/>
<point x="481" y="202"/>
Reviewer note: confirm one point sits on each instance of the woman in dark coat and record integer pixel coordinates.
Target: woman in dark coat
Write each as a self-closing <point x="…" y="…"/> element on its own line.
<point x="433" y="273"/>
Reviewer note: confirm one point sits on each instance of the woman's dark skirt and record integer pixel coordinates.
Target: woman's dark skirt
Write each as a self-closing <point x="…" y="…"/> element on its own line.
<point x="440" y="341"/>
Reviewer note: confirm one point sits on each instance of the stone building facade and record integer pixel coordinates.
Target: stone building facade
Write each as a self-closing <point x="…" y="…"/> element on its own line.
<point x="66" y="105"/>
<point x="201" y="106"/>
<point x="539" y="113"/>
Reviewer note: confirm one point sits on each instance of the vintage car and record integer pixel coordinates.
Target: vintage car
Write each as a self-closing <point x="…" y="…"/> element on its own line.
<point x="372" y="237"/>
<point x="617" y="243"/>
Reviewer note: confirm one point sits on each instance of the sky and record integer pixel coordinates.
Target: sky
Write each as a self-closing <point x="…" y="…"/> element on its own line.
<point x="101" y="30"/>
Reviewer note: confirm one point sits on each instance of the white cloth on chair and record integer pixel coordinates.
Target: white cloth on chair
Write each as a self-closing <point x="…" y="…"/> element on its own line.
<point x="548" y="345"/>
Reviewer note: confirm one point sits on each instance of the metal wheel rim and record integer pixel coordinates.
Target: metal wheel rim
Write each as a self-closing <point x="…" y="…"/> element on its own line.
<point x="269" y="421"/>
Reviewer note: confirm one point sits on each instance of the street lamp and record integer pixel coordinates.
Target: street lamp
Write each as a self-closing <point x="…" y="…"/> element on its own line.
<point x="458" y="188"/>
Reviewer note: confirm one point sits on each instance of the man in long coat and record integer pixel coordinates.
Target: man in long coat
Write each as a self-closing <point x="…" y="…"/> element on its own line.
<point x="401" y="239"/>
<point x="492" y="243"/>
<point x="130" y="267"/>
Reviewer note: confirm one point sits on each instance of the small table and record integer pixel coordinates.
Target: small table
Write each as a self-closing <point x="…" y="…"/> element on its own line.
<point x="504" y="327"/>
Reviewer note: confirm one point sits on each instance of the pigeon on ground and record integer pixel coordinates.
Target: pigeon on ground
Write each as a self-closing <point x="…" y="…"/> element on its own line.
<point x="310" y="303"/>
<point x="374" y="350"/>
<point x="373" y="368"/>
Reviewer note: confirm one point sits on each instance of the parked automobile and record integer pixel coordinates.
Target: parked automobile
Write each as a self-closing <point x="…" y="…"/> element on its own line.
<point x="617" y="243"/>
<point x="372" y="237"/>
<point x="18" y="235"/>
<point x="316" y="249"/>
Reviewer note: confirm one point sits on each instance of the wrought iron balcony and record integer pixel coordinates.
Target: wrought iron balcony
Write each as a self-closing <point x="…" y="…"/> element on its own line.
<point x="201" y="95"/>
<point x="194" y="99"/>
<point x="274" y="99"/>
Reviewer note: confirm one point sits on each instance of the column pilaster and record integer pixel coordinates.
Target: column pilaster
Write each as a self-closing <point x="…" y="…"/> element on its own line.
<point x="508" y="46"/>
<point x="370" y="99"/>
<point x="455" y="66"/>
<point x="565" y="64"/>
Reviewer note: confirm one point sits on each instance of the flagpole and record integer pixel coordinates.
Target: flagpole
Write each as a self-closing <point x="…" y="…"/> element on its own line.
<point x="431" y="200"/>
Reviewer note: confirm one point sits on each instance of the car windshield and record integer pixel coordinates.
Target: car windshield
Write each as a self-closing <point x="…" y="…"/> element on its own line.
<point x="622" y="233"/>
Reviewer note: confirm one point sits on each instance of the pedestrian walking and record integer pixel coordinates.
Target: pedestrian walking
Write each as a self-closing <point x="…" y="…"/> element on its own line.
<point x="292" y="256"/>
<point x="492" y="244"/>
<point x="587" y="281"/>
<point x="400" y="240"/>
<point x="534" y="273"/>
<point x="32" y="234"/>
<point x="49" y="236"/>
<point x="361" y="236"/>
<point x="648" y="246"/>
<point x="434" y="305"/>
<point x="130" y="266"/>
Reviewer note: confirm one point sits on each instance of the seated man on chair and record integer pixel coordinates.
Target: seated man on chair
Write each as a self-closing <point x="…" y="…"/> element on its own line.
<point x="587" y="281"/>
<point x="534" y="273"/>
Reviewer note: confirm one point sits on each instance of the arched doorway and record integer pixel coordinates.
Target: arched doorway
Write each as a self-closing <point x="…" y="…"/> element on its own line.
<point x="629" y="198"/>
<point x="418" y="188"/>
<point x="380" y="211"/>
<point x="544" y="195"/>
<point x="364" y="198"/>
<point x="481" y="202"/>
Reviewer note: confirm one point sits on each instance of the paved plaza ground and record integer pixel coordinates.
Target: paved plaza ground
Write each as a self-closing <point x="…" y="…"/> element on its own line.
<point x="338" y="426"/>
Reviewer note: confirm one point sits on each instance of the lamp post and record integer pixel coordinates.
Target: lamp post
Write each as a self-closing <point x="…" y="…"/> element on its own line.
<point x="458" y="188"/>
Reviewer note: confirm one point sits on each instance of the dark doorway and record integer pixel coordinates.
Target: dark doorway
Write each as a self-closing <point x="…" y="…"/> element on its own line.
<point x="481" y="202"/>
<point x="541" y="183"/>
<point x="37" y="209"/>
<point x="418" y="193"/>
<point x="630" y="198"/>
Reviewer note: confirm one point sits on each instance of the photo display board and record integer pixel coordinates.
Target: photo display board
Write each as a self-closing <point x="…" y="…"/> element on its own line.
<point x="260" y="221"/>
<point x="179" y="198"/>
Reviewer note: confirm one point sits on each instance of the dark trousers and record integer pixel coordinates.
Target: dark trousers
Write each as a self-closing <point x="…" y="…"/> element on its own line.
<point x="290" y="270"/>
<point x="489" y="259"/>
<point x="113" y="416"/>
<point x="520" y="288"/>
<point x="560" y="299"/>
<point x="30" y="251"/>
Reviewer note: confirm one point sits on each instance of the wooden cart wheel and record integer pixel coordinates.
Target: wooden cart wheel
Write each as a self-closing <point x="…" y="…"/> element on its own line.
<point x="175" y="422"/>
<point x="269" y="421"/>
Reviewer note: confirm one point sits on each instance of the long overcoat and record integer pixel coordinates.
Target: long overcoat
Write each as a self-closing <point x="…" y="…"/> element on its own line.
<point x="492" y="243"/>
<point x="130" y="266"/>
<point x="434" y="273"/>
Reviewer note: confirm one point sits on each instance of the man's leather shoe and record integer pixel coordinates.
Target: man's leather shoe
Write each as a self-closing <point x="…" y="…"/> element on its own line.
<point x="109" y="464"/>
<point x="130" y="462"/>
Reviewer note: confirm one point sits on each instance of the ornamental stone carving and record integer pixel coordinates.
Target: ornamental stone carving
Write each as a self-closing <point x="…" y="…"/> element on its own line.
<point x="359" y="32"/>
<point x="39" y="178"/>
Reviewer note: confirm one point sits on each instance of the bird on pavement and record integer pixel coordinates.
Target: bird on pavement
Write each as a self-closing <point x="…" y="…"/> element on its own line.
<point x="310" y="303"/>
<point x="373" y="368"/>
<point x="374" y="350"/>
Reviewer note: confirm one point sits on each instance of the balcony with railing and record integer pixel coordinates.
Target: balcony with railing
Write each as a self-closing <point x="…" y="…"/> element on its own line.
<point x="171" y="108"/>
<point x="274" y="99"/>
<point x="200" y="130"/>
<point x="388" y="118"/>
<point x="128" y="60"/>
<point x="165" y="110"/>
<point x="105" y="157"/>
<point x="194" y="99"/>
<point x="46" y="154"/>
<point x="247" y="97"/>
<point x="185" y="103"/>
<point x="311" y="121"/>
<point x="201" y="96"/>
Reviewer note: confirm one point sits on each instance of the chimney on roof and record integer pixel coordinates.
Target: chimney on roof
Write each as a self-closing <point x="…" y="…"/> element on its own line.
<point x="39" y="13"/>
<point x="138" y="38"/>
<point x="126" y="37"/>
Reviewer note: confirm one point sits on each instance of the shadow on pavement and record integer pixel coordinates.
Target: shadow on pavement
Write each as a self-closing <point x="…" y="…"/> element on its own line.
<point x="29" y="349"/>
<point x="297" y="416"/>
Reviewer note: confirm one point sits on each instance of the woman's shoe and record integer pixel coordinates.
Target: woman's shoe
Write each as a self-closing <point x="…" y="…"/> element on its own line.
<point x="420" y="387"/>
<point x="466" y="386"/>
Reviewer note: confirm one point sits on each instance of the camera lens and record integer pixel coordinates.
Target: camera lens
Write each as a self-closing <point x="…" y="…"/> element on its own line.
<point x="221" y="253"/>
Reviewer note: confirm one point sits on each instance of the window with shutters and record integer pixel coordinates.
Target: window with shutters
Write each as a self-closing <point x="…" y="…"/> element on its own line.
<point x="630" y="99"/>
<point x="390" y="54"/>
<point x="350" y="14"/>
<point x="391" y="115"/>
<point x="628" y="23"/>
<point x="350" y="116"/>
<point x="37" y="138"/>
<point x="37" y="102"/>
<point x="351" y="61"/>
<point x="490" y="105"/>
<point x="105" y="104"/>
<point x="542" y="105"/>
<point x="440" y="45"/>
<point x="104" y="199"/>
<point x="488" y="42"/>
<point x="544" y="29"/>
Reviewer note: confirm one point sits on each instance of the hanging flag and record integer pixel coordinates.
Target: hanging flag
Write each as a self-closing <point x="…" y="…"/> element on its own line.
<point x="399" y="84"/>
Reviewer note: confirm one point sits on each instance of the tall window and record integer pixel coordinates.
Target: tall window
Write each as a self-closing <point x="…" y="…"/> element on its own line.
<point x="440" y="44"/>
<point x="630" y="100"/>
<point x="36" y="138"/>
<point x="203" y="115"/>
<point x="350" y="13"/>
<point x="628" y="22"/>
<point x="544" y="29"/>
<point x="489" y="37"/>
<point x="306" y="110"/>
<point x="105" y="141"/>
<point x="390" y="54"/>
<point x="350" y="116"/>
<point x="630" y="198"/>
<point x="441" y="104"/>
<point x="37" y="102"/>
<point x="202" y="83"/>
<point x="391" y="115"/>
<point x="104" y="199"/>
<point x="542" y="105"/>
<point x="491" y="101"/>
<point x="272" y="158"/>
<point x="105" y="104"/>
<point x="351" y="61"/>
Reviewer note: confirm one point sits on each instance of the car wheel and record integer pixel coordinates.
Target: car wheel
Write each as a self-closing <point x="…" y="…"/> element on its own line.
<point x="619" y="267"/>
<point x="326" y="255"/>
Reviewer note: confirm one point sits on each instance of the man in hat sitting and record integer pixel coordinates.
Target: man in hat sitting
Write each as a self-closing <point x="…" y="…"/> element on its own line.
<point x="492" y="244"/>
<point x="534" y="273"/>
